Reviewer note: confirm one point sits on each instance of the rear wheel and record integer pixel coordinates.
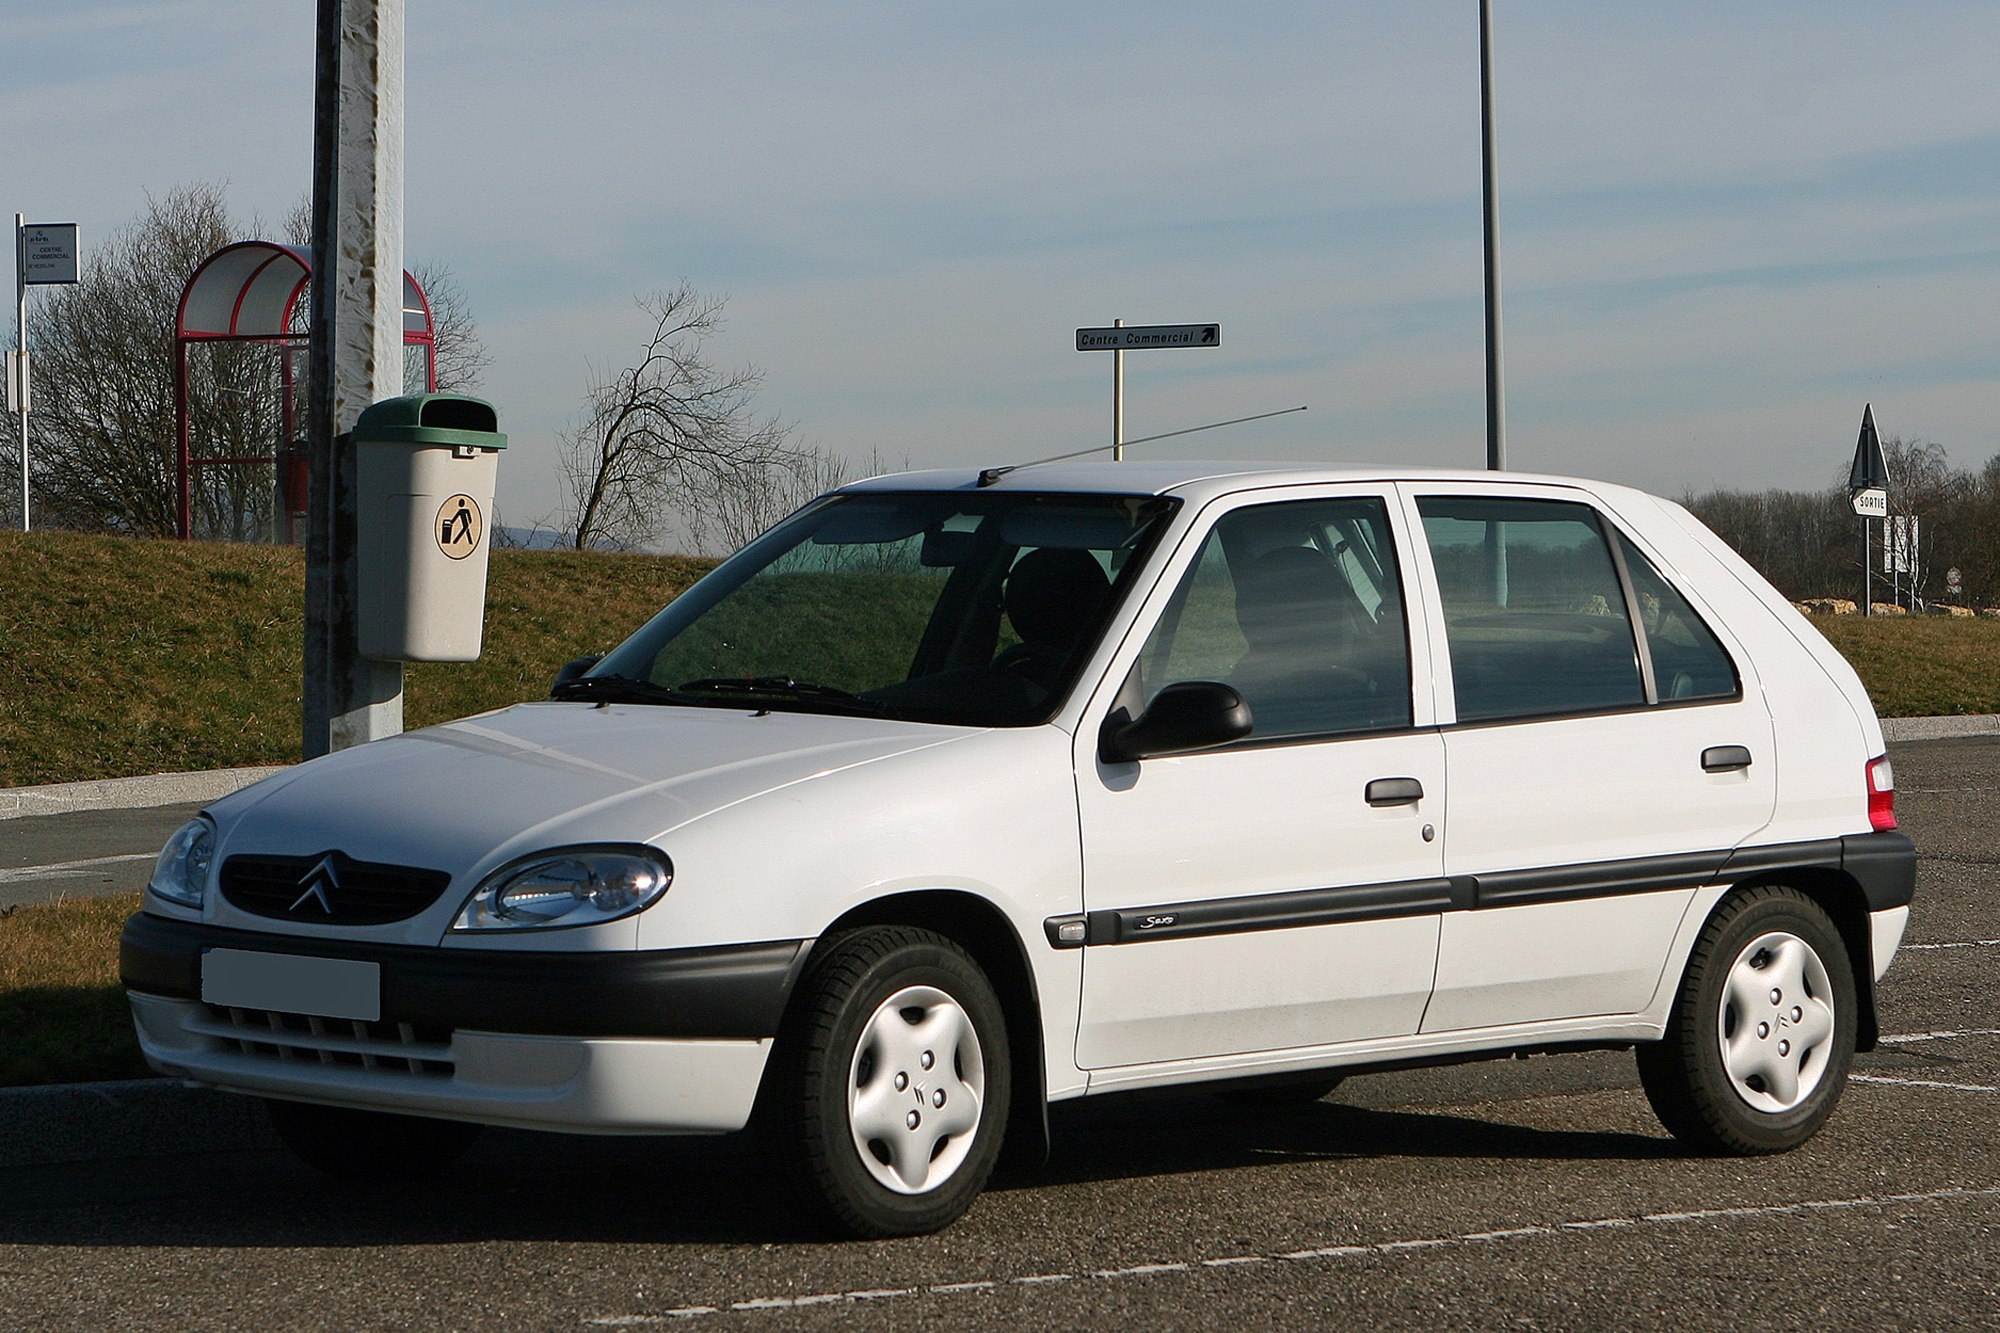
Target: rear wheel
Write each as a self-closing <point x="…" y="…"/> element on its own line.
<point x="369" y="1145"/>
<point x="1761" y="1034"/>
<point x="890" y="1084"/>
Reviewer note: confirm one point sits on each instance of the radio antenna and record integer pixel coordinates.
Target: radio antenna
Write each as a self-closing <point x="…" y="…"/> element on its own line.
<point x="993" y="474"/>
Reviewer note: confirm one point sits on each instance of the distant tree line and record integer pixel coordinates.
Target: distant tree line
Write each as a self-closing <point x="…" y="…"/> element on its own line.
<point x="1808" y="543"/>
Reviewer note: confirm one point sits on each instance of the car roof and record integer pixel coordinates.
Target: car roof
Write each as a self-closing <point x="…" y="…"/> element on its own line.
<point x="1192" y="479"/>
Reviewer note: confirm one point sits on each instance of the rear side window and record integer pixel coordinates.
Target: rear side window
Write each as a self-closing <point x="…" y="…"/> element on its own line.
<point x="1534" y="613"/>
<point x="1688" y="661"/>
<point x="1298" y="607"/>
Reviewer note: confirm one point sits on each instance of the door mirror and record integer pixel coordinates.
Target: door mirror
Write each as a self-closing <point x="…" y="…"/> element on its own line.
<point x="1187" y="715"/>
<point x="575" y="668"/>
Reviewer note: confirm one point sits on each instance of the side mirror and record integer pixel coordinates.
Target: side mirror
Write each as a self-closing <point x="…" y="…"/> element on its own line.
<point x="1187" y="715"/>
<point x="575" y="667"/>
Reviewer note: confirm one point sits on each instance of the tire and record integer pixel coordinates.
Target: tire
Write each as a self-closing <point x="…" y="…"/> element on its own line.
<point x="890" y="1084"/>
<point x="1741" y="1073"/>
<point x="1282" y="1091"/>
<point x="369" y="1145"/>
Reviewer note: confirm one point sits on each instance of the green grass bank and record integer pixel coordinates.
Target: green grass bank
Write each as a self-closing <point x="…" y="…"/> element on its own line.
<point x="122" y="657"/>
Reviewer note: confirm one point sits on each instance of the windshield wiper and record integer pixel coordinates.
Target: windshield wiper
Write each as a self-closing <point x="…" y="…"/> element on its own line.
<point x="620" y="689"/>
<point x="783" y="687"/>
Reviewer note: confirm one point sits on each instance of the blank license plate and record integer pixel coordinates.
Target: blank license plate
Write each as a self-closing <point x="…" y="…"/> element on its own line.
<point x="291" y="984"/>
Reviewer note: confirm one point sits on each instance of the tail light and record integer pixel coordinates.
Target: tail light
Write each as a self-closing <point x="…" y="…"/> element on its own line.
<point x="1881" y="795"/>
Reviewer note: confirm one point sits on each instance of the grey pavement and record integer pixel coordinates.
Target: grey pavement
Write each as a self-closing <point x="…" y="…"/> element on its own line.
<point x="1531" y="1194"/>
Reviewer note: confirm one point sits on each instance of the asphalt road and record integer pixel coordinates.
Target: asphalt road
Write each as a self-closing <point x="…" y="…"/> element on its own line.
<point x="88" y="854"/>
<point x="1536" y="1194"/>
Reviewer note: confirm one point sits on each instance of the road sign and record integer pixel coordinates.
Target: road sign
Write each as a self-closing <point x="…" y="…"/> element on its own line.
<point x="1141" y="337"/>
<point x="1869" y="470"/>
<point x="48" y="253"/>
<point x="1872" y="503"/>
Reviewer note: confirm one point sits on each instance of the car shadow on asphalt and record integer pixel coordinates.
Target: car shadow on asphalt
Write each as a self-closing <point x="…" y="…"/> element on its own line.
<point x="543" y="1187"/>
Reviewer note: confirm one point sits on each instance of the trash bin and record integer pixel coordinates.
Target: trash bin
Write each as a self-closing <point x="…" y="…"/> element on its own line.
<point x="425" y="469"/>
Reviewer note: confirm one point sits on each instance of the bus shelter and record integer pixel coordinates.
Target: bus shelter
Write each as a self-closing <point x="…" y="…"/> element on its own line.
<point x="247" y="302"/>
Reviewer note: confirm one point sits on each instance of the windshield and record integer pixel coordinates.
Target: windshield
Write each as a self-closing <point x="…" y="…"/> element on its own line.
<point x="967" y="608"/>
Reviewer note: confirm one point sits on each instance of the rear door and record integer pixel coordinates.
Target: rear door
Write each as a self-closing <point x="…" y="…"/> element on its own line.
<point x="1250" y="897"/>
<point x="1598" y="720"/>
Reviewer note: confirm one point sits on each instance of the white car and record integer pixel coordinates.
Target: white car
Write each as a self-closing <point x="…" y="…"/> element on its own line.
<point x="959" y="793"/>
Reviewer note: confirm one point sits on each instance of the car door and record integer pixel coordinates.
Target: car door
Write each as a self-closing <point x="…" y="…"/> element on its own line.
<point x="1597" y="775"/>
<point x="1251" y="897"/>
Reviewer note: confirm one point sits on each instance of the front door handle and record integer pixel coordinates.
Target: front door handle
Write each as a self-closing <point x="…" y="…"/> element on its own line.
<point x="1725" y="758"/>
<point x="1394" y="791"/>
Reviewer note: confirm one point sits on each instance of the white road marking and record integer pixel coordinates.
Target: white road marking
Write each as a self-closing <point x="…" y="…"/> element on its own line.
<point x="1901" y="1038"/>
<point x="1958" y="944"/>
<point x="1308" y="1256"/>
<point x="1919" y="1083"/>
<point x="71" y="869"/>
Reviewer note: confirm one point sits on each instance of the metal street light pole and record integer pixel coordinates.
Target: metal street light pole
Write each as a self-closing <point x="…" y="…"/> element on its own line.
<point x="1496" y="394"/>
<point x="21" y="341"/>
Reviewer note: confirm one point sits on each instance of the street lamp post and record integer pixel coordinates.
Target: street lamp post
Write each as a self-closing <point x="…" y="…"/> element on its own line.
<point x="1496" y="394"/>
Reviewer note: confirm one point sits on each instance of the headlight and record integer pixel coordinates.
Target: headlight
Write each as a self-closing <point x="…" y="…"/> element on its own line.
<point x="576" y="886"/>
<point x="181" y="874"/>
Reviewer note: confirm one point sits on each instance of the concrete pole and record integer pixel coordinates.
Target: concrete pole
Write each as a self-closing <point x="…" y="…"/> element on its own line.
<point x="1496" y="393"/>
<point x="357" y="349"/>
<point x="1118" y="399"/>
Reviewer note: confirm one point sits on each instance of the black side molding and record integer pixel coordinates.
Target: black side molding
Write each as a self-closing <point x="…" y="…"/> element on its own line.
<point x="1884" y="865"/>
<point x="735" y="991"/>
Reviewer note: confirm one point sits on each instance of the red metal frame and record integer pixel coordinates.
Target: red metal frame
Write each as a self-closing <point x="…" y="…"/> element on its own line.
<point x="275" y="331"/>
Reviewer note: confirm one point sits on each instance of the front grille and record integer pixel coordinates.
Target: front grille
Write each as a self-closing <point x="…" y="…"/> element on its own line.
<point x="395" y="1048"/>
<point x="331" y="888"/>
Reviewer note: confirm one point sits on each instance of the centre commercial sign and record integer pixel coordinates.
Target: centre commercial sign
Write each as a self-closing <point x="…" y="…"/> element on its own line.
<point x="1141" y="336"/>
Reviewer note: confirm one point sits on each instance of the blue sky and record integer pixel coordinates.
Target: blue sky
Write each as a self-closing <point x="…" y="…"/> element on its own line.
<point x="1725" y="226"/>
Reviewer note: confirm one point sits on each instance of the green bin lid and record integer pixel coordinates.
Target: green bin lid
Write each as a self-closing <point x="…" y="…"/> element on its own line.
<point x="432" y="418"/>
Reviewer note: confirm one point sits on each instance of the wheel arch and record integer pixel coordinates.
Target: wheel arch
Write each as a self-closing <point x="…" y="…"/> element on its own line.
<point x="1842" y="898"/>
<point x="983" y="931"/>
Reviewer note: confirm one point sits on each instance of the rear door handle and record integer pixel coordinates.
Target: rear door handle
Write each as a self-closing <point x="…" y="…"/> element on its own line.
<point x="1725" y="758"/>
<point x="1394" y="791"/>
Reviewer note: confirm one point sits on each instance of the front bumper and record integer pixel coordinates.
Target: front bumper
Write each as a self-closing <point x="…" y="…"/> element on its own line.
<point x="663" y="1041"/>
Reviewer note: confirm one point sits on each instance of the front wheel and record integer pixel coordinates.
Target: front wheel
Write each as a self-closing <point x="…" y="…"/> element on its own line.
<point x="890" y="1083"/>
<point x="1761" y="1033"/>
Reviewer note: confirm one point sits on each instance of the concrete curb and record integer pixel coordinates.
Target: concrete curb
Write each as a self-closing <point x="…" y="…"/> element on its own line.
<point x="129" y="793"/>
<point x="146" y="1117"/>
<point x="1940" y="728"/>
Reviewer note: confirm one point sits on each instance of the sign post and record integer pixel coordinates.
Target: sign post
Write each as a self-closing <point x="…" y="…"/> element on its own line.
<point x="44" y="254"/>
<point x="1118" y="339"/>
<point x="1868" y="488"/>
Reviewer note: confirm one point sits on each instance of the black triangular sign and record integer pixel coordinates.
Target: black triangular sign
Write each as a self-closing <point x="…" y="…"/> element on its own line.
<point x="1870" y="471"/>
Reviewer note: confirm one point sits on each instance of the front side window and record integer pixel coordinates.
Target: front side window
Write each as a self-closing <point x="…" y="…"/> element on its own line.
<point x="1298" y="607"/>
<point x="976" y="609"/>
<point x="1534" y="613"/>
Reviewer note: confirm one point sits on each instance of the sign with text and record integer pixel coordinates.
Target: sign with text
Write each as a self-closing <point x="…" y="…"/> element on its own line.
<point x="1141" y="337"/>
<point x="47" y="253"/>
<point x="1872" y="503"/>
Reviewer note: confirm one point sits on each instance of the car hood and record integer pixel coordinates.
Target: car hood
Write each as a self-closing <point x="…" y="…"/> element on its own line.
<point x="469" y="794"/>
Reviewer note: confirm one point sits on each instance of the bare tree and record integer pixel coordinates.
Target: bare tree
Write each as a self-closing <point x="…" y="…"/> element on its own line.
<point x="667" y="434"/>
<point x="102" y="440"/>
<point x="723" y="514"/>
<point x="460" y="353"/>
<point x="455" y="342"/>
